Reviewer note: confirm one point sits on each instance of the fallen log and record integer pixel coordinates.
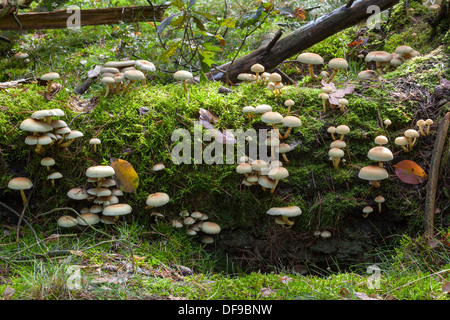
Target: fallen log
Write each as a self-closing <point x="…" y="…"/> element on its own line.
<point x="88" y="17"/>
<point x="300" y="39"/>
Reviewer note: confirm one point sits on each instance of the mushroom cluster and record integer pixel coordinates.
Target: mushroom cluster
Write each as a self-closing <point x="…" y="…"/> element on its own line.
<point x="102" y="195"/>
<point x="384" y="61"/>
<point x="119" y="76"/>
<point x="47" y="131"/>
<point x="408" y="140"/>
<point x="381" y="154"/>
<point x="195" y="223"/>
<point x="284" y="213"/>
<point x="336" y="153"/>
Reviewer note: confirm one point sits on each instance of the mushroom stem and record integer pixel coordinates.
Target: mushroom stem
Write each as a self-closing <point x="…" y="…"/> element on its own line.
<point x="128" y="86"/>
<point x="273" y="189"/>
<point x="287" y="133"/>
<point x="49" y="86"/>
<point x="285" y="157"/>
<point x="332" y="75"/>
<point x="379" y="207"/>
<point x="66" y="144"/>
<point x="380" y="163"/>
<point x="405" y="149"/>
<point x="107" y="89"/>
<point x="95" y="148"/>
<point x="376" y="183"/>
<point x="311" y="71"/>
<point x="379" y="67"/>
<point x="24" y="198"/>
<point x="324" y="103"/>
<point x="187" y="91"/>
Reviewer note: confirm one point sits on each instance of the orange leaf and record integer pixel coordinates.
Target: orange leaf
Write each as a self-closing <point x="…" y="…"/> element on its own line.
<point x="410" y="172"/>
<point x="128" y="178"/>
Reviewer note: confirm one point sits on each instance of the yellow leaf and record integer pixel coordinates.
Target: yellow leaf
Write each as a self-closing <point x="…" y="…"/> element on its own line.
<point x="128" y="178"/>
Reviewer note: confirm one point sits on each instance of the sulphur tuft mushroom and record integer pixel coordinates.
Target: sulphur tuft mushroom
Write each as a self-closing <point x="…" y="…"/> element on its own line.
<point x="402" y="142"/>
<point x="67" y="221"/>
<point x="133" y="76"/>
<point x="257" y="69"/>
<point x="332" y="130"/>
<point x="248" y="110"/>
<point x="366" y="211"/>
<point x="183" y="76"/>
<point x="379" y="200"/>
<point x="336" y="154"/>
<point x="95" y="142"/>
<point x="289" y="103"/>
<point x="53" y="176"/>
<point x="277" y="174"/>
<point x="21" y="184"/>
<point x="342" y="103"/>
<point x="421" y="124"/>
<point x="310" y="59"/>
<point x="290" y="122"/>
<point x="374" y="174"/>
<point x="429" y="123"/>
<point x="387" y="123"/>
<point x="157" y="199"/>
<point x="342" y="130"/>
<point x="276" y="79"/>
<point x="380" y="154"/>
<point x="47" y="162"/>
<point x="50" y="77"/>
<point x="336" y="64"/>
<point x="285" y="213"/>
<point x="379" y="57"/>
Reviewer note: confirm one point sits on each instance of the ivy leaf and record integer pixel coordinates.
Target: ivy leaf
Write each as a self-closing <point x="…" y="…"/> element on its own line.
<point x="410" y="172"/>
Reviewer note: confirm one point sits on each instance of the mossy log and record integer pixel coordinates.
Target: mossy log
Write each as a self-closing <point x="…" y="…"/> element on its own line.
<point x="88" y="17"/>
<point x="296" y="41"/>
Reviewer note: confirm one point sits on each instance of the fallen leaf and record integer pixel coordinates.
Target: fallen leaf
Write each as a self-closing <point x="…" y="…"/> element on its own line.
<point x="446" y="287"/>
<point x="8" y="293"/>
<point x="410" y="172"/>
<point x="364" y="296"/>
<point x="125" y="173"/>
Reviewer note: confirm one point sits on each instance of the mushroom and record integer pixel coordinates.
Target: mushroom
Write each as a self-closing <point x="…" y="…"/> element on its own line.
<point x="387" y="123"/>
<point x="421" y="124"/>
<point x="412" y="136"/>
<point x="50" y="77"/>
<point x="340" y="144"/>
<point x="263" y="108"/>
<point x="116" y="210"/>
<point x="367" y="74"/>
<point x="336" y="64"/>
<point x="258" y="165"/>
<point x="266" y="182"/>
<point x="277" y="174"/>
<point x="244" y="168"/>
<point x="158" y="167"/>
<point x="53" y="176"/>
<point x="276" y="79"/>
<point x="374" y="174"/>
<point x="88" y="219"/>
<point x="342" y="103"/>
<point x="403" y="142"/>
<point x="272" y="142"/>
<point x="146" y="66"/>
<point x="100" y="172"/>
<point x="310" y="59"/>
<point x="366" y="210"/>
<point x="290" y="122"/>
<point x="286" y="213"/>
<point x="248" y="110"/>
<point x="70" y="137"/>
<point x="429" y="123"/>
<point x="379" y="57"/>
<point x="21" y="184"/>
<point x="282" y="148"/>
<point x="403" y="51"/>
<point x="380" y="154"/>
<point x="332" y="131"/>
<point x="48" y="162"/>
<point x="67" y="222"/>
<point x="157" y="199"/>
<point x="381" y="140"/>
<point x="183" y="75"/>
<point x="132" y="76"/>
<point x="379" y="200"/>
<point x="324" y="96"/>
<point x="95" y="142"/>
<point x="273" y="118"/>
<point x="257" y="69"/>
<point x="77" y="194"/>
<point x="336" y="154"/>
<point x="210" y="227"/>
<point x="342" y="130"/>
<point x="35" y="126"/>
<point x="109" y="82"/>
<point x="289" y="103"/>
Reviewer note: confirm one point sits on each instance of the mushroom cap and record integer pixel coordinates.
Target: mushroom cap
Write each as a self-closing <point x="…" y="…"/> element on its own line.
<point x="50" y="76"/>
<point x="108" y="80"/>
<point x="283" y="148"/>
<point x="20" y="55"/>
<point x="310" y="58"/>
<point x="289" y="103"/>
<point x="411" y="133"/>
<point x="96" y="208"/>
<point x="77" y="194"/>
<point x="88" y="218"/>
<point x="263" y="108"/>
<point x="367" y="74"/>
<point x="343" y="101"/>
<point x="56" y="124"/>
<point x="207" y="239"/>
<point x="291" y="121"/>
<point x="342" y="129"/>
<point x="120" y="64"/>
<point x="275" y="77"/>
<point x="367" y="209"/>
<point x="396" y="62"/>
<point x="380" y="56"/>
<point x="196" y="214"/>
<point x="379" y="199"/>
<point x="401" y="141"/>
<point x="272" y="141"/>
<point x="95" y="141"/>
<point x="429" y="122"/>
<point x="244" y="168"/>
<point x="258" y="164"/>
<point x="338" y="144"/>
<point x="266" y="182"/>
<point x="210" y="227"/>
<point x="325" y="234"/>
<point x="100" y="171"/>
<point x="387" y="122"/>
<point x="54" y="175"/>
<point x="278" y="173"/>
<point x="117" y="209"/>
<point x="73" y="134"/>
<point x="381" y="140"/>
<point x="380" y="154"/>
<point x="336" y="153"/>
<point x="67" y="221"/>
<point x="99" y="192"/>
<point x="34" y="125"/>
<point x="182" y="75"/>
<point x="48" y="161"/>
<point x="403" y="49"/>
<point x="373" y="173"/>
<point x="20" y="183"/>
<point x="63" y="130"/>
<point x="113" y="70"/>
<point x="420" y="123"/>
<point x="134" y="75"/>
<point x="272" y="117"/>
<point x="158" y="167"/>
<point x="47" y="113"/>
<point x="248" y="109"/>
<point x="331" y="130"/>
<point x="291" y="211"/>
<point x="157" y="199"/>
<point x="338" y="63"/>
<point x="145" y="65"/>
<point x="44" y="140"/>
<point x="257" y="68"/>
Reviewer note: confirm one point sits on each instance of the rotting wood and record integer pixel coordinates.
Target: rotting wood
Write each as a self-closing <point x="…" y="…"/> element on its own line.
<point x="433" y="176"/>
<point x="88" y="17"/>
<point x="300" y="39"/>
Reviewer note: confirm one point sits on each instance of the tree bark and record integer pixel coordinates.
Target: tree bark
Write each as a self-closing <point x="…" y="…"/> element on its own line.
<point x="430" y="200"/>
<point x="300" y="39"/>
<point x="88" y="17"/>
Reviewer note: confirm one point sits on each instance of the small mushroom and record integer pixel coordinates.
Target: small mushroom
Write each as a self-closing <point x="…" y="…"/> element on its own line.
<point x="379" y="200"/>
<point x="429" y="123"/>
<point x="380" y="154"/>
<point x="366" y="210"/>
<point x="21" y="184"/>
<point x="285" y="213"/>
<point x="53" y="176"/>
<point x="157" y="199"/>
<point x="50" y="77"/>
<point x="95" y="142"/>
<point x="248" y="110"/>
<point x="387" y="123"/>
<point x="332" y="131"/>
<point x="277" y="174"/>
<point x="289" y="103"/>
<point x="324" y="97"/>
<point x="336" y="64"/>
<point x="403" y="142"/>
<point x="290" y="122"/>
<point x="374" y="174"/>
<point x="310" y="59"/>
<point x="48" y="162"/>
<point x="379" y="57"/>
<point x="336" y="154"/>
<point x="421" y="124"/>
<point x="132" y="76"/>
<point x="257" y="69"/>
<point x="342" y="130"/>
<point x="109" y="82"/>
<point x="342" y="103"/>
<point x="183" y="75"/>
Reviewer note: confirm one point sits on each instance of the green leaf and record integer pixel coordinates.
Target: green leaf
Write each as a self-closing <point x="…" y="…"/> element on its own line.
<point x="228" y="23"/>
<point x="198" y="23"/>
<point x="166" y="22"/>
<point x="170" y="51"/>
<point x="251" y="19"/>
<point x="209" y="46"/>
<point x="191" y="3"/>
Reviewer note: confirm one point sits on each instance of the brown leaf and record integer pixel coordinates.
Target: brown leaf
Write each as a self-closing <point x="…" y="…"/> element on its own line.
<point x="8" y="293"/>
<point x="363" y="296"/>
<point x="446" y="287"/>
